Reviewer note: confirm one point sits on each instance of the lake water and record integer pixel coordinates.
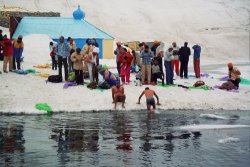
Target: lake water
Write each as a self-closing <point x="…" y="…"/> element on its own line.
<point x="134" y="138"/>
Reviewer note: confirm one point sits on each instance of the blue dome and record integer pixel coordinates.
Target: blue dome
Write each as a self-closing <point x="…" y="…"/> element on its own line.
<point x="78" y="14"/>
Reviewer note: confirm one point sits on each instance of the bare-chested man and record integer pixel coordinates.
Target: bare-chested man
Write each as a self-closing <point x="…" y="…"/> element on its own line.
<point x="149" y="98"/>
<point x="118" y="94"/>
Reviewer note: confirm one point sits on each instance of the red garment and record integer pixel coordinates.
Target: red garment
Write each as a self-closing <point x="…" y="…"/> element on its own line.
<point x="175" y="64"/>
<point x="7" y="47"/>
<point x="197" y="68"/>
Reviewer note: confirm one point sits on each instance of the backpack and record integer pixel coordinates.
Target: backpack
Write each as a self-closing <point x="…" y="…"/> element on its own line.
<point x="55" y="78"/>
<point x="92" y="85"/>
<point x="199" y="83"/>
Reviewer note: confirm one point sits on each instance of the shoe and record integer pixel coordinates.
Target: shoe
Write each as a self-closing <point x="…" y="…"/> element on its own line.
<point x="11" y="70"/>
<point x="5" y="71"/>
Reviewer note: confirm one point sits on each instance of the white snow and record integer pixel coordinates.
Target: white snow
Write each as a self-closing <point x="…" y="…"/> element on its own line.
<point x="221" y="27"/>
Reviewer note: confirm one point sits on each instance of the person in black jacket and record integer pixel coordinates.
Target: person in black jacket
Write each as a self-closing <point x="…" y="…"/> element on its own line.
<point x="184" y="53"/>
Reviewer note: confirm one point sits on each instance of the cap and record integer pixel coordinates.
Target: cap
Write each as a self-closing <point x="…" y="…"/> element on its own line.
<point x="230" y="65"/>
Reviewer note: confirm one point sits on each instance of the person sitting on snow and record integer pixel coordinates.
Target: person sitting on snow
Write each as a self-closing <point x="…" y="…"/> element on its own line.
<point x="234" y="78"/>
<point x="156" y="72"/>
<point x="234" y="75"/>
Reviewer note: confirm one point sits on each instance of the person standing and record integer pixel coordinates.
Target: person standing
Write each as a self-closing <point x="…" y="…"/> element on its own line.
<point x="77" y="59"/>
<point x="184" y="53"/>
<point x="72" y="47"/>
<point x="92" y="61"/>
<point x="118" y="52"/>
<point x="1" y="47"/>
<point x="197" y="53"/>
<point x="146" y="56"/>
<point x="63" y="51"/>
<point x="52" y="48"/>
<point x="7" y="54"/>
<point x="118" y="94"/>
<point x="18" y="47"/>
<point x="176" y="61"/>
<point x="149" y="98"/>
<point x="160" y="55"/>
<point x="168" y="66"/>
<point x="125" y="66"/>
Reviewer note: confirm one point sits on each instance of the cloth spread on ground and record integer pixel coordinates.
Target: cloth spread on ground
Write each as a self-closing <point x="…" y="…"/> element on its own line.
<point x="232" y="90"/>
<point x="243" y="81"/>
<point x="68" y="84"/>
<point x="28" y="71"/>
<point x="22" y="72"/>
<point x="166" y="86"/>
<point x="44" y="75"/>
<point x="205" y="75"/>
<point x="42" y="66"/>
<point x="44" y="106"/>
<point x="98" y="88"/>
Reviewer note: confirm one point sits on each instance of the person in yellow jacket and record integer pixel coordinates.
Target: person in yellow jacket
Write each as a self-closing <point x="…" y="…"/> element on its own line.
<point x="18" y="46"/>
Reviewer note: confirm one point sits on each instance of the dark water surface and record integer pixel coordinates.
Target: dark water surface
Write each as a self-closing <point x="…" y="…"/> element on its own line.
<point x="125" y="139"/>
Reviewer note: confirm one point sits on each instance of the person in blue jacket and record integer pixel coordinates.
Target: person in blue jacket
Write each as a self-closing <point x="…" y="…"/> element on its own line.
<point x="197" y="53"/>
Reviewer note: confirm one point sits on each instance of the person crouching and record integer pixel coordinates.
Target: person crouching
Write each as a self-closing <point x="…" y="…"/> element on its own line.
<point x="77" y="59"/>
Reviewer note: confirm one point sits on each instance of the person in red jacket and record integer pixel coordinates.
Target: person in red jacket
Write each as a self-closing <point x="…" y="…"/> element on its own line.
<point x="125" y="65"/>
<point x="7" y="54"/>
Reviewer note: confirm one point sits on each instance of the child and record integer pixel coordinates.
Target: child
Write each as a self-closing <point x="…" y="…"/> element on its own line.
<point x="138" y="78"/>
<point x="53" y="55"/>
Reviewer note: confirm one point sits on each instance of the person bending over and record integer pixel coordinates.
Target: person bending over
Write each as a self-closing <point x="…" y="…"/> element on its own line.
<point x="149" y="98"/>
<point x="118" y="94"/>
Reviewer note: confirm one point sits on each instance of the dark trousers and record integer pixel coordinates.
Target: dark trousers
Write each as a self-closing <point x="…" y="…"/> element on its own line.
<point x="169" y="72"/>
<point x="65" y="65"/>
<point x="155" y="76"/>
<point x="54" y="63"/>
<point x="95" y="73"/>
<point x="79" y="77"/>
<point x="184" y="68"/>
<point x="16" y="63"/>
<point x="118" y="65"/>
<point x="236" y="82"/>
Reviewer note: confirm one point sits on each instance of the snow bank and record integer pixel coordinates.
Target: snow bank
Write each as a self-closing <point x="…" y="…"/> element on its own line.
<point x="221" y="27"/>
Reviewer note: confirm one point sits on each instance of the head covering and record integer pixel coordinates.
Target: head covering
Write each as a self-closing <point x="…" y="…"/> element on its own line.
<point x="105" y="67"/>
<point x="155" y="42"/>
<point x="230" y="65"/>
<point x="96" y="50"/>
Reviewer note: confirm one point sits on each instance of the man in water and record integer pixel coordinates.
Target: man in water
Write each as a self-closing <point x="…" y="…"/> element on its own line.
<point x="118" y="94"/>
<point x="149" y="98"/>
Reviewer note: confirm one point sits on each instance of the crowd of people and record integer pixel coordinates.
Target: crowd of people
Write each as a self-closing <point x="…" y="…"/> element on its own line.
<point x="147" y="63"/>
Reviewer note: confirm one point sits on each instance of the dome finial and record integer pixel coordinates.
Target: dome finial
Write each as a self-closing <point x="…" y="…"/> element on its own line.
<point x="78" y="14"/>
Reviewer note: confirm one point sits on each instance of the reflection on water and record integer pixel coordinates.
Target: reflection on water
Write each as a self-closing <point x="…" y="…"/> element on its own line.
<point x="12" y="144"/>
<point x="120" y="139"/>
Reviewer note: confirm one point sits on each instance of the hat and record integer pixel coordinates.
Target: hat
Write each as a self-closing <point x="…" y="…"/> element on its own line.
<point x="96" y="50"/>
<point x="230" y="65"/>
<point x="20" y="36"/>
<point x="105" y="67"/>
<point x="155" y="42"/>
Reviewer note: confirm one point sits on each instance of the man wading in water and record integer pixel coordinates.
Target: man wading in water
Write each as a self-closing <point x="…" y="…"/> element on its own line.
<point x="149" y="98"/>
<point x="118" y="94"/>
